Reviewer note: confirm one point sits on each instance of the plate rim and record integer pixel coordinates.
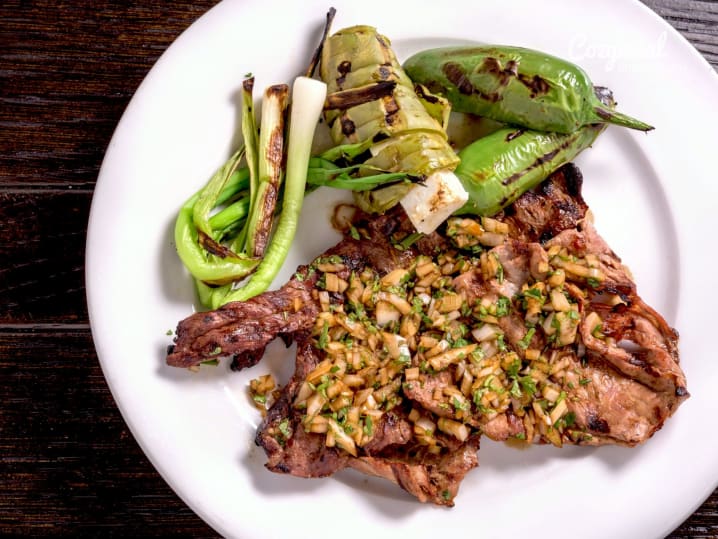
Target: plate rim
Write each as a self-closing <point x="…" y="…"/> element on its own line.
<point x="90" y="277"/>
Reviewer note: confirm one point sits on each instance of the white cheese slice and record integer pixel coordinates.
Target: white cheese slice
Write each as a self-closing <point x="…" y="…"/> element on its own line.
<point x="431" y="203"/>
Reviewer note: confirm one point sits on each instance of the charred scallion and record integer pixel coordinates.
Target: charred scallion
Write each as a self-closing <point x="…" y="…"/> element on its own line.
<point x="307" y="100"/>
<point x="269" y="168"/>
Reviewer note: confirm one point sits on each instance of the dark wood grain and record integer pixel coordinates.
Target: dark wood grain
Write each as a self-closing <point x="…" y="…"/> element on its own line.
<point x="68" y="464"/>
<point x="43" y="232"/>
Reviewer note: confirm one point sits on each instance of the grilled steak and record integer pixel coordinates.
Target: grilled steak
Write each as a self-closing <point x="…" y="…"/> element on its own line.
<point x="241" y="327"/>
<point x="526" y="326"/>
<point x="390" y="454"/>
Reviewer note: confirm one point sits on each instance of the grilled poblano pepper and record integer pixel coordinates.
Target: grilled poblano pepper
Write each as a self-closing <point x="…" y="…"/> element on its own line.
<point x="514" y="85"/>
<point x="371" y="99"/>
<point x="500" y="167"/>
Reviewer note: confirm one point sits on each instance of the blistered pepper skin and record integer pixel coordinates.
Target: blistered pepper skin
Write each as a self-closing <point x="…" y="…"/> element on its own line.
<point x="495" y="170"/>
<point x="515" y="85"/>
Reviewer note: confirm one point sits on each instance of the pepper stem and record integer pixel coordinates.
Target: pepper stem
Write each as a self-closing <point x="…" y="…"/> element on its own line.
<point x="616" y="118"/>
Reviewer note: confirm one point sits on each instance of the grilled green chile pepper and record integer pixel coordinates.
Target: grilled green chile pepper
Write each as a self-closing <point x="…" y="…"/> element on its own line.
<point x="498" y="168"/>
<point x="514" y="85"/>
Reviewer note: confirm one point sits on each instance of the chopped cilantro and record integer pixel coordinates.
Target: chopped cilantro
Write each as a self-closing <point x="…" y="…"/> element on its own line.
<point x="503" y="305"/>
<point x="534" y="293"/>
<point x="515" y="390"/>
<point x="324" y="336"/>
<point x="368" y="426"/>
<point x="593" y="282"/>
<point x="528" y="384"/>
<point x="524" y="343"/>
<point x="410" y="240"/>
<point x="169" y="332"/>
<point x="284" y="428"/>
<point x="460" y="404"/>
<point x="584" y="381"/>
<point x="458" y="343"/>
<point x="354" y="233"/>
<point x="514" y="368"/>
<point x="499" y="270"/>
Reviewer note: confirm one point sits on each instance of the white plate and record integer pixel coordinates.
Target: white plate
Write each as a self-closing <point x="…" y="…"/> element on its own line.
<point x="654" y="201"/>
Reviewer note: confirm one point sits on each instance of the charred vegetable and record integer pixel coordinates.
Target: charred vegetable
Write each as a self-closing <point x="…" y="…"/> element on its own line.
<point x="516" y="86"/>
<point x="222" y="233"/>
<point x="371" y="100"/>
<point x="199" y="238"/>
<point x="500" y="167"/>
<point x="308" y="96"/>
<point x="269" y="168"/>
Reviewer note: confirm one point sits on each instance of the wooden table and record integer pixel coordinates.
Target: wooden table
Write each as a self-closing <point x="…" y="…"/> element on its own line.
<point x="68" y="464"/>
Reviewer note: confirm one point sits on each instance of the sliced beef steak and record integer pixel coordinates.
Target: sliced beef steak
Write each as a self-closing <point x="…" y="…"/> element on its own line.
<point x="583" y="361"/>
<point x="392" y="453"/>
<point x="241" y="327"/>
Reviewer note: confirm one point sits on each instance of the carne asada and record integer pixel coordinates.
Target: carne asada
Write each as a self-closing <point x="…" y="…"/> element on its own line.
<point x="525" y="326"/>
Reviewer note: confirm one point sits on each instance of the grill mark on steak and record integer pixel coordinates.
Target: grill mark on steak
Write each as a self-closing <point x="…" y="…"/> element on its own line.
<point x="239" y="328"/>
<point x="597" y="424"/>
<point x="556" y="205"/>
